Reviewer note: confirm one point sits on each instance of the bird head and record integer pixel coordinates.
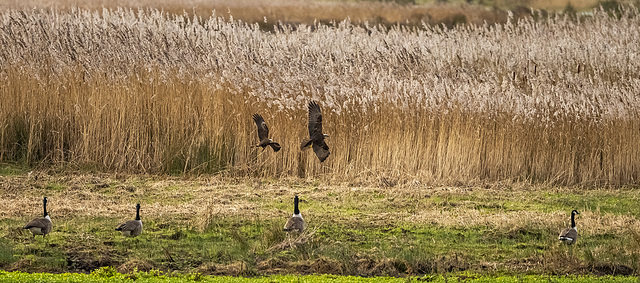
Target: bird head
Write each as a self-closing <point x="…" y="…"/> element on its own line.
<point x="574" y="212"/>
<point x="325" y="135"/>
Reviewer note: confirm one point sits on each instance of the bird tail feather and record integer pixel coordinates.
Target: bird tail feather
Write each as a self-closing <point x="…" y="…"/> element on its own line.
<point x="305" y="143"/>
<point x="275" y="146"/>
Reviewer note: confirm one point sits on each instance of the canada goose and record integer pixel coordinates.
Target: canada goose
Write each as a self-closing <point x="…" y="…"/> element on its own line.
<point x="316" y="137"/>
<point x="570" y="235"/>
<point x="295" y="223"/>
<point x="41" y="226"/>
<point x="131" y="228"/>
<point x="263" y="134"/>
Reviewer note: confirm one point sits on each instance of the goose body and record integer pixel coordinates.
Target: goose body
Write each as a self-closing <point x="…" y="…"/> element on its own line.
<point x="295" y="223"/>
<point x="131" y="228"/>
<point x="40" y="226"/>
<point x="570" y="235"/>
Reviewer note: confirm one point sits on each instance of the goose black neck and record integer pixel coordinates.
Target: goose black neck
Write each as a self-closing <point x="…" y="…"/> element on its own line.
<point x="573" y="221"/>
<point x="44" y="205"/>
<point x="138" y="212"/>
<point x="295" y="205"/>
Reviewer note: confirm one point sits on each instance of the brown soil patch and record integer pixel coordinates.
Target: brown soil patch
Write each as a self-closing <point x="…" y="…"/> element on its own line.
<point x="87" y="260"/>
<point x="610" y="269"/>
<point x="220" y="269"/>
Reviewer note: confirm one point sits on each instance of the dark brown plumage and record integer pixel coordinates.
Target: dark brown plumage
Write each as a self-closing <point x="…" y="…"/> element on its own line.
<point x="316" y="137"/>
<point x="263" y="134"/>
<point x="295" y="223"/>
<point x="570" y="235"/>
<point x="40" y="226"/>
<point x="131" y="228"/>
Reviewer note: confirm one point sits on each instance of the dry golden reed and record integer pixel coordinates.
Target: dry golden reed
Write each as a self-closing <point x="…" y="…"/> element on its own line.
<point x="311" y="11"/>
<point x="550" y="100"/>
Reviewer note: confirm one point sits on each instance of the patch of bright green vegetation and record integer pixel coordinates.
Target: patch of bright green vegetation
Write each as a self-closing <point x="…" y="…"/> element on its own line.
<point x="618" y="202"/>
<point x="109" y="275"/>
<point x="7" y="169"/>
<point x="55" y="186"/>
<point x="614" y="202"/>
<point x="6" y="252"/>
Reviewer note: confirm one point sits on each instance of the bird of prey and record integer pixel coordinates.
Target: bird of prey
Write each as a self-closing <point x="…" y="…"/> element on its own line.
<point x="263" y="134"/>
<point x="316" y="137"/>
<point x="570" y="235"/>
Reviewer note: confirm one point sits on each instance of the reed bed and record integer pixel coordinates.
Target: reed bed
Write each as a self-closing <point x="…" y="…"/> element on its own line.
<point x="552" y="100"/>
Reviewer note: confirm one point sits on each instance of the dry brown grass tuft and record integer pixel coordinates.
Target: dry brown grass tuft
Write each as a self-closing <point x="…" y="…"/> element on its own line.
<point x="133" y="266"/>
<point x="293" y="240"/>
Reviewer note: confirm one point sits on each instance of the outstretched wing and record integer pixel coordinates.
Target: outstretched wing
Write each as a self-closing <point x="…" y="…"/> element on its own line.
<point x="263" y="130"/>
<point x="321" y="149"/>
<point x="315" y="122"/>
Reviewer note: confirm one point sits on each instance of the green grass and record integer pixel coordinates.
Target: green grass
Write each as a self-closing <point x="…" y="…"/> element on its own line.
<point x="11" y="169"/>
<point x="410" y="248"/>
<point x="109" y="275"/>
<point x="6" y="252"/>
<point x="234" y="227"/>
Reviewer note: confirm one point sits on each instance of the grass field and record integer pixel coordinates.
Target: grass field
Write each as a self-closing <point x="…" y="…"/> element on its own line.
<point x="218" y="226"/>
